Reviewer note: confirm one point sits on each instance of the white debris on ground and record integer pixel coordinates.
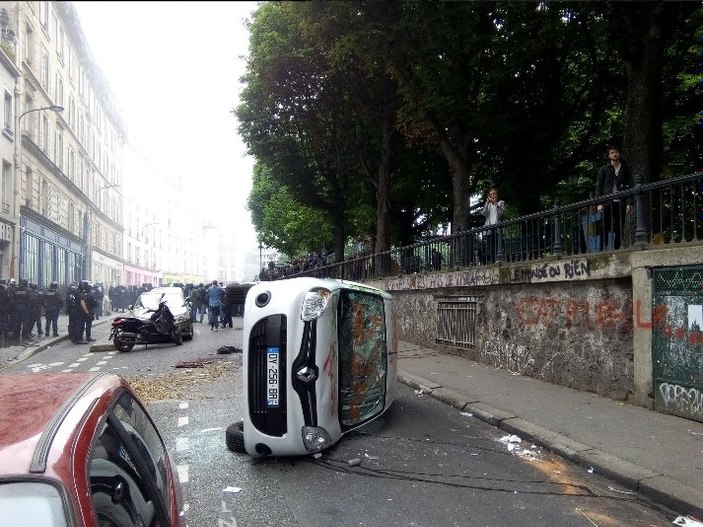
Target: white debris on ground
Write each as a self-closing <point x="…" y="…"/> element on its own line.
<point x="513" y="444"/>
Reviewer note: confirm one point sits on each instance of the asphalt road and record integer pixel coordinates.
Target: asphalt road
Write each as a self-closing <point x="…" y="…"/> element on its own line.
<point x="421" y="464"/>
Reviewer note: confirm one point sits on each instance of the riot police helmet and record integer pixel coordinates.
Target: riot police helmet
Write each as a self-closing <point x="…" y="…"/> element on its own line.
<point x="54" y="285"/>
<point x="23" y="282"/>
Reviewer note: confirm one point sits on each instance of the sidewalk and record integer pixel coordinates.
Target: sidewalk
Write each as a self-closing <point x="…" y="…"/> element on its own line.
<point x="656" y="454"/>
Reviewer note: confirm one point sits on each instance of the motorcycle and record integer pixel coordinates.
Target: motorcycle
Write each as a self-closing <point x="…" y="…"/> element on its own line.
<point x="160" y="327"/>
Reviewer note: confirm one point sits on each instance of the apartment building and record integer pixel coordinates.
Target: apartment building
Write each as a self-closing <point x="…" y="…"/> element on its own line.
<point x="68" y="145"/>
<point x="9" y="207"/>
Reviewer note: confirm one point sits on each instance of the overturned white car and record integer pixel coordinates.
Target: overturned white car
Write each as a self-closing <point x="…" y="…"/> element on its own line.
<point x="319" y="359"/>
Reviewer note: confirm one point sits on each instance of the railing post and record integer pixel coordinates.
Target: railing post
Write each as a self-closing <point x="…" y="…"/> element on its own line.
<point x="557" y="246"/>
<point x="641" y="235"/>
<point x="500" y="253"/>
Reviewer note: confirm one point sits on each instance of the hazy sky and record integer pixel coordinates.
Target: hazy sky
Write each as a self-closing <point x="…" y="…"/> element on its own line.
<point x="174" y="68"/>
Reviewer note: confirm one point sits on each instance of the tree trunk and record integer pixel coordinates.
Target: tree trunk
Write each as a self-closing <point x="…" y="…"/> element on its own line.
<point x="383" y="189"/>
<point x="460" y="185"/>
<point x="638" y="32"/>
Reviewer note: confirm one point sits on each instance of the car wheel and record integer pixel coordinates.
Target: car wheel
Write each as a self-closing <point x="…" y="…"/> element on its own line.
<point x="122" y="346"/>
<point x="176" y="336"/>
<point x="189" y="335"/>
<point x="234" y="437"/>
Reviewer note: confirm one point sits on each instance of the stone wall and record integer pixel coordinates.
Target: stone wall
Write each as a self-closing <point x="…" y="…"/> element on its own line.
<point x="565" y="322"/>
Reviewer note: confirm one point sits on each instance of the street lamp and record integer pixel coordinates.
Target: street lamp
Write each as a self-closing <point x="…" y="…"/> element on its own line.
<point x="18" y="182"/>
<point x="261" y="259"/>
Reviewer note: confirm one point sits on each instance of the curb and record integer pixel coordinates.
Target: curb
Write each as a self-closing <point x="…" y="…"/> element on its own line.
<point x="29" y="351"/>
<point x="655" y="486"/>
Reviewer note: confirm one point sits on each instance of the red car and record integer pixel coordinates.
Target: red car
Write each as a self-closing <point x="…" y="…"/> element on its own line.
<point x="80" y="450"/>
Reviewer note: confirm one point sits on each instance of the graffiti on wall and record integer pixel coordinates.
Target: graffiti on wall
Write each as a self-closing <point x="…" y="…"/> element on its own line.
<point x="466" y="278"/>
<point x="659" y="318"/>
<point x="571" y="313"/>
<point x="512" y="357"/>
<point x="681" y="400"/>
<point x="552" y="272"/>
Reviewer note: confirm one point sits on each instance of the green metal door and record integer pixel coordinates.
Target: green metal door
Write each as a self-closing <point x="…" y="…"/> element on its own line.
<point x="677" y="341"/>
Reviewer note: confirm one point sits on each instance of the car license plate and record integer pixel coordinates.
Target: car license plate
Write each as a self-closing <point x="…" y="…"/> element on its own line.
<point x="272" y="372"/>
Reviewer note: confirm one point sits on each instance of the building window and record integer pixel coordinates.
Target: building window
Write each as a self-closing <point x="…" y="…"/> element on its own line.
<point x="8" y="114"/>
<point x="59" y="91"/>
<point x="44" y="79"/>
<point x="71" y="165"/>
<point x="44" y="198"/>
<point x="72" y="113"/>
<point x="5" y="186"/>
<point x="44" y="15"/>
<point x="60" y="43"/>
<point x="58" y="148"/>
<point x="71" y="218"/>
<point x="31" y="265"/>
<point x="44" y="135"/>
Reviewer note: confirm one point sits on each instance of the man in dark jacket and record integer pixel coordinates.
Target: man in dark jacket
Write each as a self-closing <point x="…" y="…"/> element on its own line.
<point x="52" y="307"/>
<point x="613" y="177"/>
<point x="36" y="304"/>
<point x="4" y="313"/>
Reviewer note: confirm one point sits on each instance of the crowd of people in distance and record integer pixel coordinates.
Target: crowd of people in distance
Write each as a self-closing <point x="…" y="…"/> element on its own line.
<point x="295" y="266"/>
<point x="28" y="312"/>
<point x="123" y="296"/>
<point x="219" y="302"/>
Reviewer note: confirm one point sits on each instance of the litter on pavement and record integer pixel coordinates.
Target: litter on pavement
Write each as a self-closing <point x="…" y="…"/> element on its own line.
<point x="231" y="489"/>
<point x="223" y="350"/>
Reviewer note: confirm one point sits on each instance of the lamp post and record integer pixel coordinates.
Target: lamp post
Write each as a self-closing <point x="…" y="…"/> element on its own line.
<point x="18" y="183"/>
<point x="261" y="258"/>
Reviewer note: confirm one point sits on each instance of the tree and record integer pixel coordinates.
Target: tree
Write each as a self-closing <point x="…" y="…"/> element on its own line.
<point x="641" y="33"/>
<point x="294" y="120"/>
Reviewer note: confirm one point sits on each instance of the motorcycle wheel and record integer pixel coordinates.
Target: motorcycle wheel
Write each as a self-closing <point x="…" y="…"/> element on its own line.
<point x="122" y="346"/>
<point x="177" y="337"/>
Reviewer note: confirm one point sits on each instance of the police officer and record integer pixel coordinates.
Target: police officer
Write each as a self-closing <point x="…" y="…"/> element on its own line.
<point x="10" y="336"/>
<point x="4" y="314"/>
<point x="91" y="303"/>
<point x="36" y="303"/>
<point x="52" y="307"/>
<point x="22" y="313"/>
<point x="73" y="310"/>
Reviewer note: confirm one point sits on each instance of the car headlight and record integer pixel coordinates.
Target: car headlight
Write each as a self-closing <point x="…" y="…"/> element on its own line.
<point x="315" y="438"/>
<point x="315" y="303"/>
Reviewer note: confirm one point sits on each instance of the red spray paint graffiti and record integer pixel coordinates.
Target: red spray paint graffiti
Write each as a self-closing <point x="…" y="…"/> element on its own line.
<point x="605" y="315"/>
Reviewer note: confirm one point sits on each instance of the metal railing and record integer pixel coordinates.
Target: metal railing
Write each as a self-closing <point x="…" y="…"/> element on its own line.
<point x="663" y="213"/>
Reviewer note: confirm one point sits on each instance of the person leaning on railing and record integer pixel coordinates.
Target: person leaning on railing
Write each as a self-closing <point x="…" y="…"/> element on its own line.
<point x="613" y="177"/>
<point x="493" y="211"/>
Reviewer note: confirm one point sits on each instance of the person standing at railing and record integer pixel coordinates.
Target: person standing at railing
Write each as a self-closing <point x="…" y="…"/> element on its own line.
<point x="493" y="210"/>
<point x="613" y="177"/>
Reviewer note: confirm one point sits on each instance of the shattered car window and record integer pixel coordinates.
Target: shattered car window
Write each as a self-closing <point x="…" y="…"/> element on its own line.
<point x="362" y="357"/>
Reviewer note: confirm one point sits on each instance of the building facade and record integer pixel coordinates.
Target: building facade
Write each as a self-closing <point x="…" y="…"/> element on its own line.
<point x="68" y="150"/>
<point x="9" y="206"/>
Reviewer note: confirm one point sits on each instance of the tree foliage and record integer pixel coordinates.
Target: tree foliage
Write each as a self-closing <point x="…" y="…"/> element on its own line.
<point x="381" y="120"/>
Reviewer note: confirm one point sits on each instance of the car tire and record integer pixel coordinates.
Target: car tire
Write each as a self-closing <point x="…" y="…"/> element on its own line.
<point x="122" y="346"/>
<point x="176" y="336"/>
<point x="189" y="335"/>
<point x="234" y="437"/>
